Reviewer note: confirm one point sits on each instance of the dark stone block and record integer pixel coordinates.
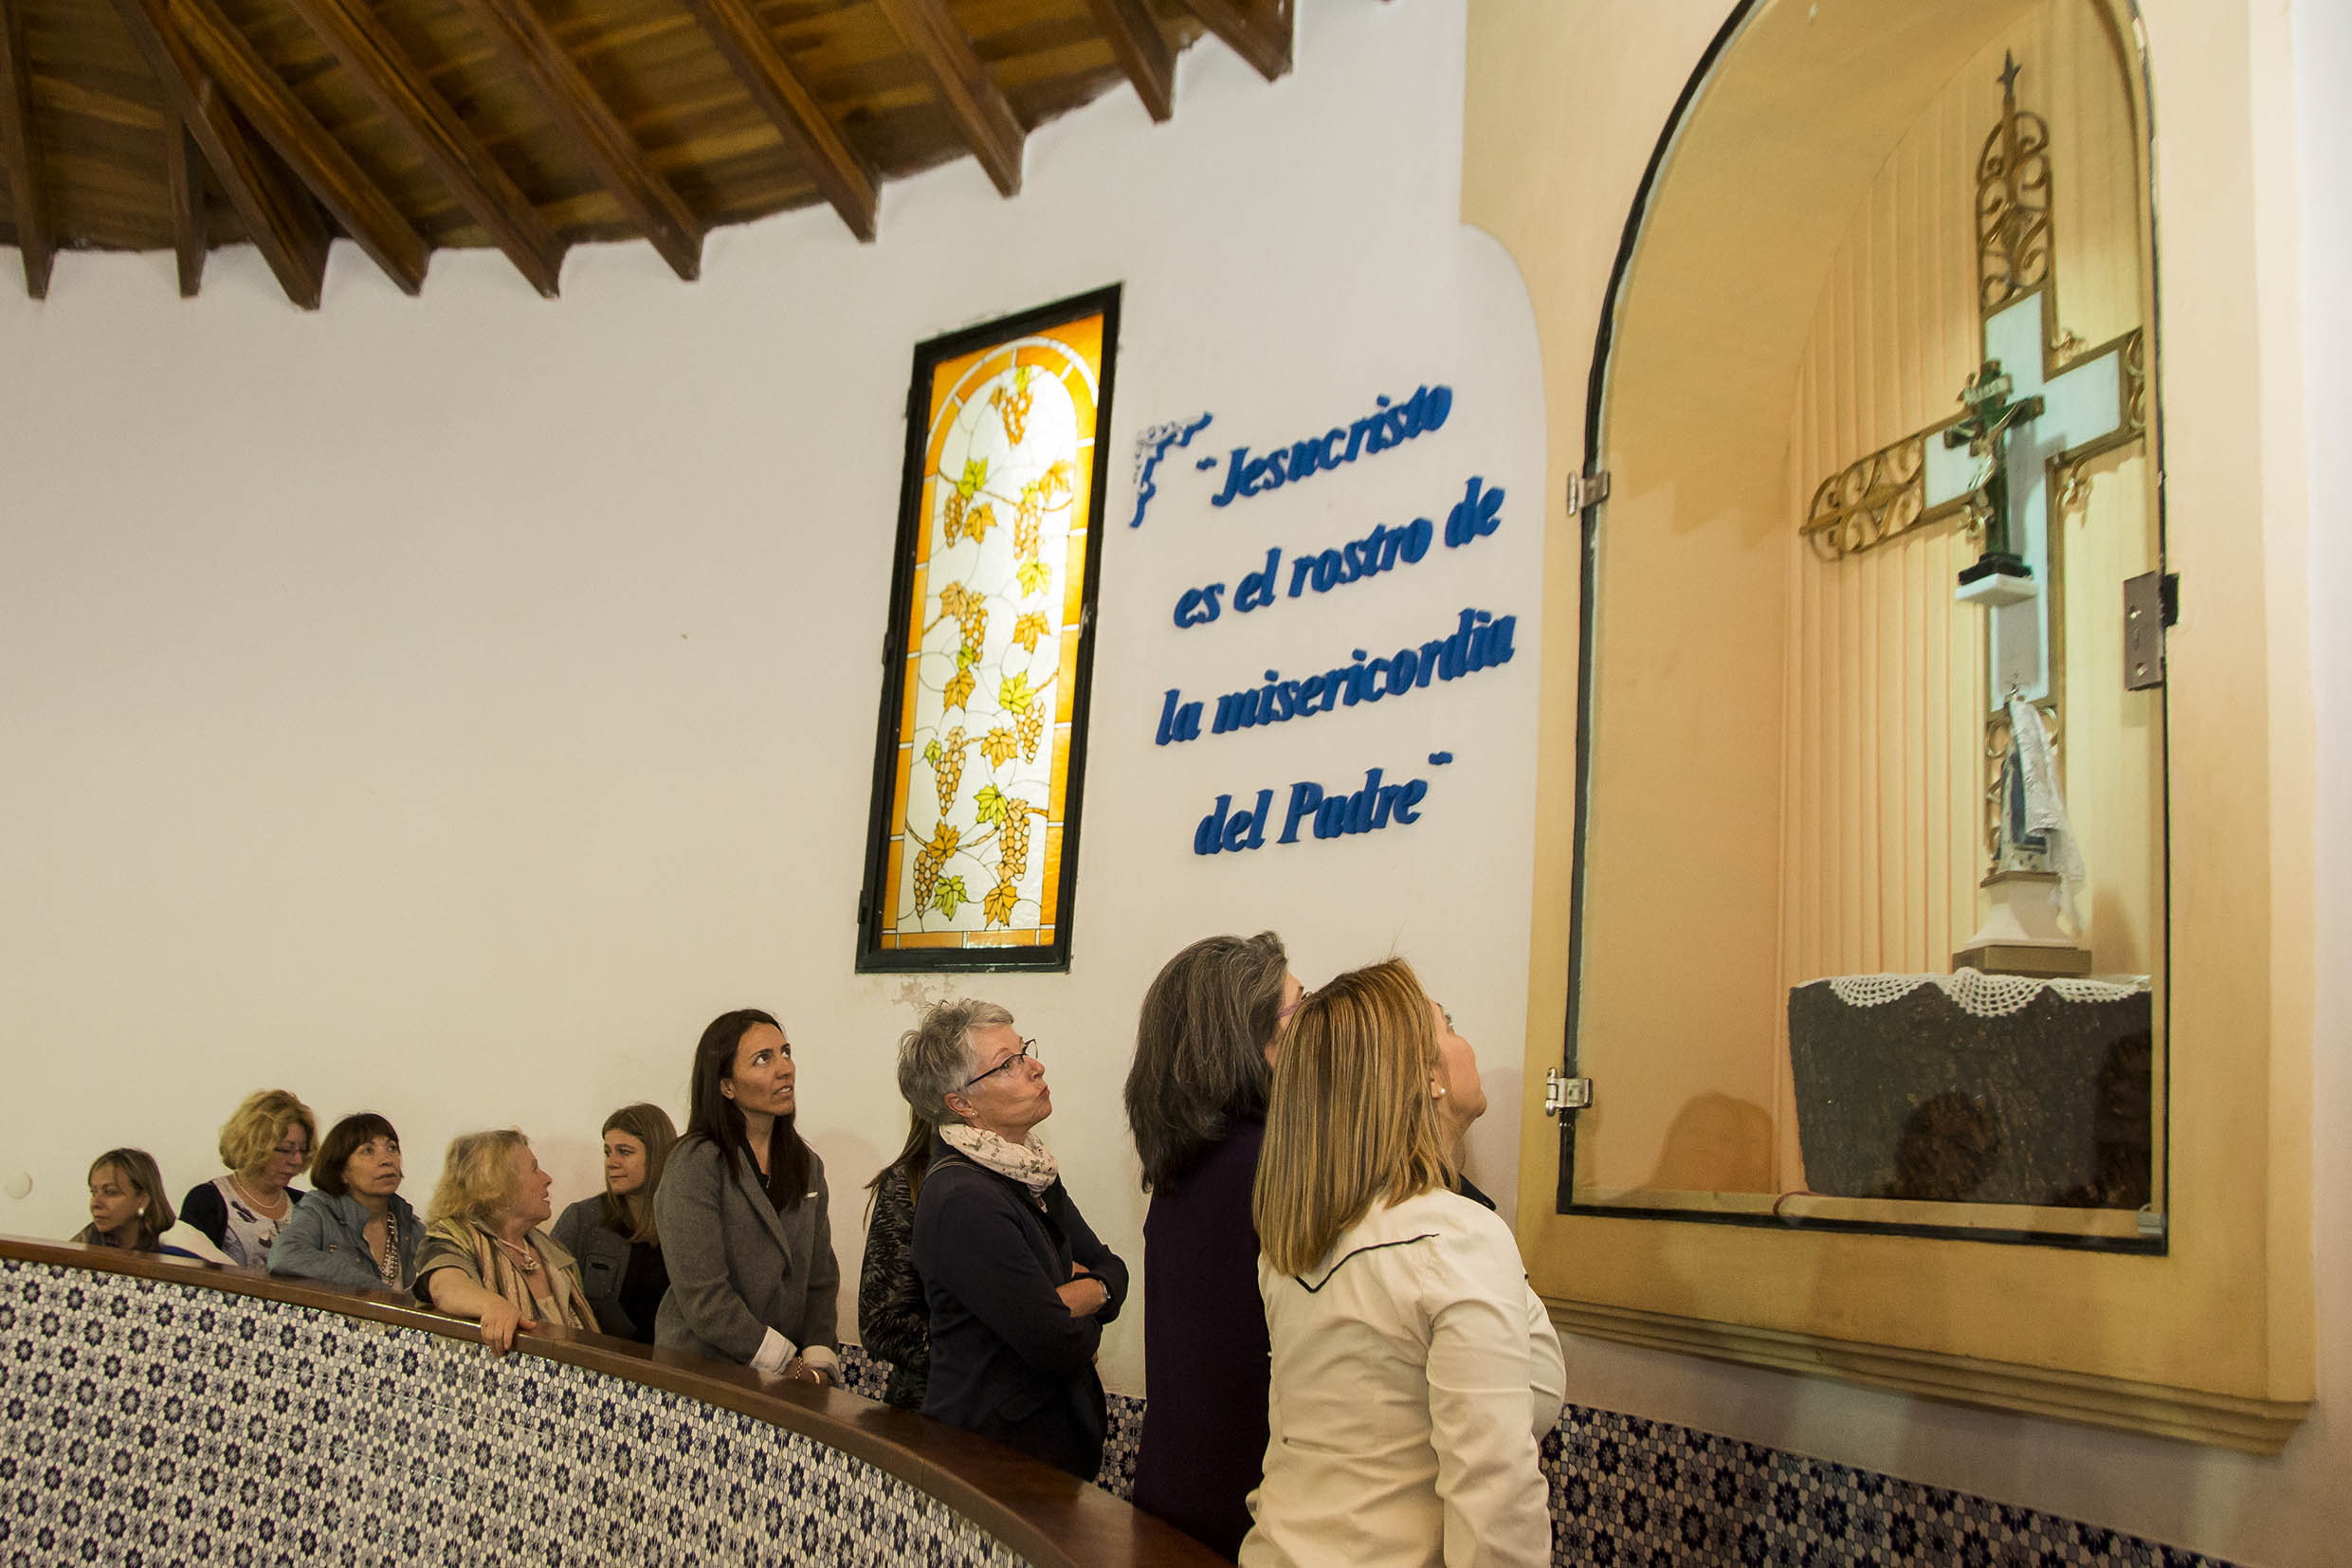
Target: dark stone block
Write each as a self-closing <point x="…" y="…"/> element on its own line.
<point x="1918" y="1099"/>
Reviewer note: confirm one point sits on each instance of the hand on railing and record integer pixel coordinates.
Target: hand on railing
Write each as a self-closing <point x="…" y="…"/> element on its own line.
<point x="798" y="1371"/>
<point x="500" y="1319"/>
<point x="452" y="1292"/>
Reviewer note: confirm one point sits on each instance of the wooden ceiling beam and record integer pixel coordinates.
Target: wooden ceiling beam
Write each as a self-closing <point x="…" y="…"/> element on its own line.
<point x="840" y="170"/>
<point x="20" y="150"/>
<point x="367" y="49"/>
<point x="1265" y="41"/>
<point x="974" y="100"/>
<point x="596" y="132"/>
<point x="277" y="212"/>
<point x="1142" y="50"/>
<point x="183" y="175"/>
<point x="317" y="159"/>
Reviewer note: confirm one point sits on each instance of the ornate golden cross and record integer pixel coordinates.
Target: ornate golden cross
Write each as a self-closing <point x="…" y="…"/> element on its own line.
<point x="2017" y="452"/>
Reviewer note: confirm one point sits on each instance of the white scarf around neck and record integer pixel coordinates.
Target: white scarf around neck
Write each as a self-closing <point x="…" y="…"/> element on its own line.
<point x="1031" y="1164"/>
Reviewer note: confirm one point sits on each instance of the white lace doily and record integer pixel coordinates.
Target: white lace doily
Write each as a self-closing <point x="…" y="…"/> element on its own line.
<point x="1982" y="996"/>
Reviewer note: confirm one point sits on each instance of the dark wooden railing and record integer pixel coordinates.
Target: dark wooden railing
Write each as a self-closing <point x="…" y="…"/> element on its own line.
<point x="1047" y="1516"/>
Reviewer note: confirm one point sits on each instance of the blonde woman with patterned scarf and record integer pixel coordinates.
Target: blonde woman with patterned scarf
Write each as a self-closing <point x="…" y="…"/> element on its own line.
<point x="483" y="1255"/>
<point x="1018" y="1287"/>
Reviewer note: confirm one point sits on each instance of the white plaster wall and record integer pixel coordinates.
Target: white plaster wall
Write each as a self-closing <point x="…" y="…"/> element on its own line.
<point x="446" y="705"/>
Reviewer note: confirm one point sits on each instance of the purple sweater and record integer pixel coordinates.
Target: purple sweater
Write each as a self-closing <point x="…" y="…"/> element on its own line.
<point x="1206" y="1355"/>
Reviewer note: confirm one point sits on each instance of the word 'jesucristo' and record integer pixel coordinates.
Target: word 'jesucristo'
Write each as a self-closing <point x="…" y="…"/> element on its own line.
<point x="1387" y="424"/>
<point x="1333" y="815"/>
<point x="1475" y="516"/>
<point x="1480" y="641"/>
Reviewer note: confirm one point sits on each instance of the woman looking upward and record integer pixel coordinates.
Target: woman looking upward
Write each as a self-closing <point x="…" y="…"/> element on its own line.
<point x="483" y="1255"/>
<point x="1204" y="1052"/>
<point x="1461" y="1099"/>
<point x="746" y="1229"/>
<point x="355" y="1229"/>
<point x="266" y="1143"/>
<point x="1018" y="1286"/>
<point x="614" y="1235"/>
<point x="1413" y="1370"/>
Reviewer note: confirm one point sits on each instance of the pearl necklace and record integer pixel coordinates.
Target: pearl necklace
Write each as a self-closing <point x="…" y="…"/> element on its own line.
<point x="266" y="1210"/>
<point x="526" y="1258"/>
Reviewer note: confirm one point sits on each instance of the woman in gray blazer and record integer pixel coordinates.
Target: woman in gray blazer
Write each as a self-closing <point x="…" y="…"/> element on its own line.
<point x="743" y="1214"/>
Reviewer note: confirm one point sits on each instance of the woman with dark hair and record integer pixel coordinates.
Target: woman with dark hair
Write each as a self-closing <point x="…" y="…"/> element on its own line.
<point x="894" y="1321"/>
<point x="746" y="1230"/>
<point x="127" y="1210"/>
<point x="352" y="1228"/>
<point x="1204" y="1048"/>
<point x="614" y="1235"/>
<point x="266" y="1143"/>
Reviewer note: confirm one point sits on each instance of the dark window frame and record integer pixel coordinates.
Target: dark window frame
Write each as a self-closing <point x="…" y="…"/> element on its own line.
<point x="872" y="957"/>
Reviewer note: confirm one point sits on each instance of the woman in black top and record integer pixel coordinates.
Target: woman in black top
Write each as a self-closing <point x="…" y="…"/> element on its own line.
<point x="894" y="1324"/>
<point x="614" y="1235"/>
<point x="266" y="1143"/>
<point x="1018" y="1286"/>
<point x="1204" y="1049"/>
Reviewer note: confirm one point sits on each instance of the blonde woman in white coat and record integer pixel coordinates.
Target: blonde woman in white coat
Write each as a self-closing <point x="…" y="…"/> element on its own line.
<point x="1413" y="1370"/>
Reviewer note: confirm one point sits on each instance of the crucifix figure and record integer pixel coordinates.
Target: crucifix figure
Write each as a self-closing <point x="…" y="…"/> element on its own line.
<point x="1999" y="577"/>
<point x="2037" y="409"/>
<point x="2026" y="416"/>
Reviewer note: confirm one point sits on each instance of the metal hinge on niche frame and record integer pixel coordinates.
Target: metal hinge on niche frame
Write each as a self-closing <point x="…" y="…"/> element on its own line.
<point x="1587" y="490"/>
<point x="1563" y="1093"/>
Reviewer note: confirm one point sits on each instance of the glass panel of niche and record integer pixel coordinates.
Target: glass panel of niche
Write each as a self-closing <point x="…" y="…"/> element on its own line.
<point x="971" y="853"/>
<point x="1871" y="891"/>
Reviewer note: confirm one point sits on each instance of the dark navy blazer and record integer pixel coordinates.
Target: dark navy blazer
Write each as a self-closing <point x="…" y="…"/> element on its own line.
<point x="1007" y="1360"/>
<point x="1206" y="1353"/>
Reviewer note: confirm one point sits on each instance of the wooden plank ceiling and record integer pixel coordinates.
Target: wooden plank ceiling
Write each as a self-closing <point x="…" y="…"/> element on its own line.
<point x="413" y="125"/>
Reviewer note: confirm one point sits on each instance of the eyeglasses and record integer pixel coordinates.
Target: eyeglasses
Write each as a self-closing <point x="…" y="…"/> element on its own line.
<point x="1026" y="1053"/>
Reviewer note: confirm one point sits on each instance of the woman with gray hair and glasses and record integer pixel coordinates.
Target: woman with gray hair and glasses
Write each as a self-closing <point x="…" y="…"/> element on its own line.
<point x="1017" y="1285"/>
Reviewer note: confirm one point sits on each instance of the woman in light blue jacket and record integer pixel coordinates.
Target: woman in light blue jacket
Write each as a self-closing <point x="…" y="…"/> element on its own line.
<point x="352" y="1228"/>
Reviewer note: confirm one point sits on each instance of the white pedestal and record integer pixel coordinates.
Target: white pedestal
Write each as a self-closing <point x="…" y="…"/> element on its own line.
<point x="2020" y="934"/>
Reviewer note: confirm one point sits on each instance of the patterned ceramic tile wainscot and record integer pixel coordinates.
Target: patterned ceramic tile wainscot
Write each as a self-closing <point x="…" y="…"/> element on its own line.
<point x="147" y="1423"/>
<point x="1629" y="1492"/>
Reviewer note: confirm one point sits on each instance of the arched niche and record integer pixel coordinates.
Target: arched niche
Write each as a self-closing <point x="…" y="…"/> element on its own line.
<point x="1764" y="198"/>
<point x="1793" y="719"/>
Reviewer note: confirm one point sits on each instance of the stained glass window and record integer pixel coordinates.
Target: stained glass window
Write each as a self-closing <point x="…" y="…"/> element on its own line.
<point x="973" y="848"/>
